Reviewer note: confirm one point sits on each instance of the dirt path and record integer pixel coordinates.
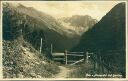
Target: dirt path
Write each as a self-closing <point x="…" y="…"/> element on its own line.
<point x="64" y="72"/>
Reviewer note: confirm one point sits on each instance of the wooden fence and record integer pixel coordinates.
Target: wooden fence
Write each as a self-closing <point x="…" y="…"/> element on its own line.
<point x="97" y="59"/>
<point x="67" y="57"/>
<point x="105" y="62"/>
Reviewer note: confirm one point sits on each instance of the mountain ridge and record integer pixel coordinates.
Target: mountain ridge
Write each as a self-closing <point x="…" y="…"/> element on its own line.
<point x="55" y="33"/>
<point x="107" y="38"/>
<point x="80" y="23"/>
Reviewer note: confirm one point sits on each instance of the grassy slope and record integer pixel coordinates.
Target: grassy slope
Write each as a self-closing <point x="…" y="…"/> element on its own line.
<point x="20" y="55"/>
<point x="21" y="60"/>
<point x="108" y="36"/>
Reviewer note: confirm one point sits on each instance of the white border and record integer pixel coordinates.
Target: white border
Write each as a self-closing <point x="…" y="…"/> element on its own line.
<point x="126" y="39"/>
<point x="1" y="72"/>
<point x="114" y="79"/>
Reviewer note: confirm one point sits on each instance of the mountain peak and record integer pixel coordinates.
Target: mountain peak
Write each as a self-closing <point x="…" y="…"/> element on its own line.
<point x="21" y="6"/>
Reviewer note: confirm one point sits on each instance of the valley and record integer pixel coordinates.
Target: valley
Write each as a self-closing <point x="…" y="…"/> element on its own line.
<point x="82" y="45"/>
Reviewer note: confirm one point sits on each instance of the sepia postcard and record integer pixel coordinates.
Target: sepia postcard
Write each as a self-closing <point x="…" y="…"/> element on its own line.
<point x="63" y="40"/>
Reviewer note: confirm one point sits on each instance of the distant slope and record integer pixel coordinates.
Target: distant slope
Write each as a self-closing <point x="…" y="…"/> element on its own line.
<point x="55" y="33"/>
<point x="108" y="37"/>
<point x="61" y="36"/>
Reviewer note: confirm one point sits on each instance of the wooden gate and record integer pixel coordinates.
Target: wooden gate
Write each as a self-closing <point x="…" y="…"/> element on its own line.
<point x="97" y="59"/>
<point x="72" y="57"/>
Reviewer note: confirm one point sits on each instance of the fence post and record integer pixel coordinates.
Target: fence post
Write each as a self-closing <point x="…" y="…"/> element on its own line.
<point x="102" y="66"/>
<point x="21" y="32"/>
<point x="86" y="57"/>
<point x="108" y="68"/>
<point x="94" y="62"/>
<point x="51" y="48"/>
<point x="40" y="45"/>
<point x="66" y="57"/>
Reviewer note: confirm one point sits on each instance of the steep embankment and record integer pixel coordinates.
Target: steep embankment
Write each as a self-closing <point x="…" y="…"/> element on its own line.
<point x="21" y="60"/>
<point x="108" y="38"/>
<point x="21" y="57"/>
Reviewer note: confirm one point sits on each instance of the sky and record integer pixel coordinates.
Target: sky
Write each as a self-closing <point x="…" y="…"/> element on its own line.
<point x="58" y="9"/>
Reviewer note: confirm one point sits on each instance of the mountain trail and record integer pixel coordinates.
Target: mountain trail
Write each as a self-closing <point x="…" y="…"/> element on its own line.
<point x="64" y="72"/>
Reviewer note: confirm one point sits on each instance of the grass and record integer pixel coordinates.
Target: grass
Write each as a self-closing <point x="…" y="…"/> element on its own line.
<point x="87" y="71"/>
<point x="81" y="71"/>
<point x="19" y="64"/>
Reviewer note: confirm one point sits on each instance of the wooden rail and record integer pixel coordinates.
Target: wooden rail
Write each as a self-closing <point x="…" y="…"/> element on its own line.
<point x="75" y="55"/>
<point x="78" y="61"/>
<point x="58" y="54"/>
<point x="96" y="59"/>
<point x="64" y="56"/>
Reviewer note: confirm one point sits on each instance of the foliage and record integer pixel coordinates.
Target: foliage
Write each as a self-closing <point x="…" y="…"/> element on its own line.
<point x="21" y="42"/>
<point x="108" y="35"/>
<point x="16" y="24"/>
<point x="81" y="71"/>
<point x="21" y="60"/>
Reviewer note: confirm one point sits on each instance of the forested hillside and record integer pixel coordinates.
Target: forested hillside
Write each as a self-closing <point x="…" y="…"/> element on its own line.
<point x="55" y="33"/>
<point x="21" y="43"/>
<point x="108" y="38"/>
<point x="62" y="37"/>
